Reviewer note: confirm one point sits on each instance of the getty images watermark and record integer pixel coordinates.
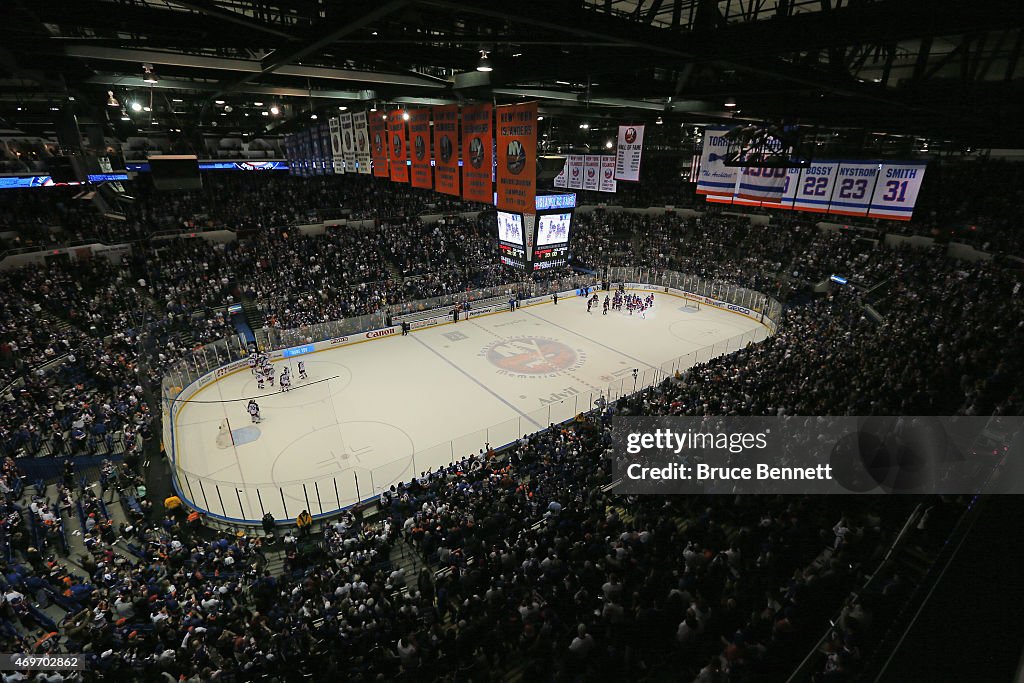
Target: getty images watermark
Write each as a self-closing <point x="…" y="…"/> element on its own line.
<point x="818" y="455"/>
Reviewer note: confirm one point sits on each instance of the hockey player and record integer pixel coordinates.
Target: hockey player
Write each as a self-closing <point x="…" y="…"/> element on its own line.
<point x="302" y="370"/>
<point x="260" y="380"/>
<point x="252" y="364"/>
<point x="270" y="374"/>
<point x="286" y="380"/>
<point x="254" y="410"/>
<point x="607" y="303"/>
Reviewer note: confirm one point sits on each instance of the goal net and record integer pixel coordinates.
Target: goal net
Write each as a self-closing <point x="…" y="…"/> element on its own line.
<point x="225" y="439"/>
<point x="691" y="303"/>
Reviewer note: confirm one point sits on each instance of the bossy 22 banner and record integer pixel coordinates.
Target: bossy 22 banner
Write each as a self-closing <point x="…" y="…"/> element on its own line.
<point x="517" y="157"/>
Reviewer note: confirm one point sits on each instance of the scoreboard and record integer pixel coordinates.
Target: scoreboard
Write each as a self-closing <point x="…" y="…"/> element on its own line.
<point x="552" y="244"/>
<point x="511" y="242"/>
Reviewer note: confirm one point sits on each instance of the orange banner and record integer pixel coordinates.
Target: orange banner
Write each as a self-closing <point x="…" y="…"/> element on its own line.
<point x="446" y="149"/>
<point x="398" y="148"/>
<point x="477" y="164"/>
<point x="517" y="157"/>
<point x="419" y="148"/>
<point x="378" y="145"/>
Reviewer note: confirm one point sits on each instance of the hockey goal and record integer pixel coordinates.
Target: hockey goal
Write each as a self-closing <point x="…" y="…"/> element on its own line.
<point x="225" y="439"/>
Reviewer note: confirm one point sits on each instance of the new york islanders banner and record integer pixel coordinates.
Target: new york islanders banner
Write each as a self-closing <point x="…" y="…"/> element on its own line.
<point x="561" y="180"/>
<point x="896" y="190"/>
<point x="446" y="149"/>
<point x="761" y="183"/>
<point x="517" y="157"/>
<point x="575" y="172"/>
<point x="338" y="160"/>
<point x="398" y="149"/>
<point x="591" y="172"/>
<point x="419" y="144"/>
<point x="715" y="177"/>
<point x="348" y="143"/>
<point x="477" y="143"/>
<point x="629" y="152"/>
<point x="608" y="183"/>
<point x="379" y="145"/>
<point x="361" y="133"/>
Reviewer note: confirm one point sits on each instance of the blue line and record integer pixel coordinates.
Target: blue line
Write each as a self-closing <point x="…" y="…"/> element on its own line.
<point x="478" y="382"/>
<point x="593" y="341"/>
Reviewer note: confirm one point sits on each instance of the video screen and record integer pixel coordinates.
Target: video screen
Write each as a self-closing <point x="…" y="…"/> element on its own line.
<point x="510" y="227"/>
<point x="553" y="229"/>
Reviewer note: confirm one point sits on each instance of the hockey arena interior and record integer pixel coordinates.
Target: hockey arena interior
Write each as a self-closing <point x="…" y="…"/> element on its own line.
<point x="318" y="321"/>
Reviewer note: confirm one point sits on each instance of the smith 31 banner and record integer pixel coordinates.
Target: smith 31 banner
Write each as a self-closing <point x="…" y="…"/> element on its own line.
<point x="419" y="143"/>
<point x="608" y="183"/>
<point x="517" y="156"/>
<point x="446" y="149"/>
<point x="814" y="192"/>
<point x="715" y="177"/>
<point x="896" y="190"/>
<point x="561" y="180"/>
<point x="591" y="172"/>
<point x="361" y="131"/>
<point x="336" y="149"/>
<point x="379" y="145"/>
<point x="575" y="171"/>
<point x="628" y="152"/>
<point x="477" y="141"/>
<point x="761" y="183"/>
<point x="348" y="143"/>
<point x="398" y="148"/>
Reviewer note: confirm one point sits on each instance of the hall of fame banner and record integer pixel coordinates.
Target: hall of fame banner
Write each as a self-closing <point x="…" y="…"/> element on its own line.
<point x="419" y="148"/>
<point x="628" y="153"/>
<point x="477" y="151"/>
<point x="398" y="147"/>
<point x="446" y="149"/>
<point x="516" y="172"/>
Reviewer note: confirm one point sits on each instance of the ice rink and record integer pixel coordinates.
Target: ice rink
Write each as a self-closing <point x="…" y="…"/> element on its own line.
<point x="375" y="413"/>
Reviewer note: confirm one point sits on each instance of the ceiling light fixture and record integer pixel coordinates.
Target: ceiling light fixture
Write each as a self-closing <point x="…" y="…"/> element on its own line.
<point x="148" y="75"/>
<point x="257" y="104"/>
<point x="405" y="116"/>
<point x="342" y="108"/>
<point x="136" y="106"/>
<point x="313" y="116"/>
<point x="608" y="144"/>
<point x="111" y="100"/>
<point x="485" y="62"/>
<point x="730" y="102"/>
<point x="275" y="111"/>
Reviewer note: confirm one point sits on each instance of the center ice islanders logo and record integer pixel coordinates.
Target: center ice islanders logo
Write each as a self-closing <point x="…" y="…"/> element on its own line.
<point x="532" y="356"/>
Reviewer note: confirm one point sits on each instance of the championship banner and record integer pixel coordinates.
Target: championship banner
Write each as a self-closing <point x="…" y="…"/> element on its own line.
<point x="814" y="192"/>
<point x="517" y="157"/>
<point x="591" y="172"/>
<point x="575" y="166"/>
<point x="361" y="131"/>
<point x="398" y="148"/>
<point x="419" y="145"/>
<point x="379" y="145"/>
<point x="348" y="143"/>
<point x="446" y="149"/>
<point x="628" y="152"/>
<point x="561" y="180"/>
<point x="336" y="155"/>
<point x="715" y="177"/>
<point x="896" y="190"/>
<point x="608" y="183"/>
<point x="761" y="183"/>
<point x="477" y="143"/>
<point x="788" y="191"/>
<point x="855" y="183"/>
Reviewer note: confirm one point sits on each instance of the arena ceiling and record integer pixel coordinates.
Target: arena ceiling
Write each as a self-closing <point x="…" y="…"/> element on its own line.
<point x="940" y="69"/>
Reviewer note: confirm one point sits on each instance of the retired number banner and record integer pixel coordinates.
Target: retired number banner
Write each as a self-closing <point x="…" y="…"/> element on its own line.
<point x="446" y="149"/>
<point x="361" y="132"/>
<point x="379" y="145"/>
<point x="715" y="177"/>
<point x="348" y="143"/>
<point x="477" y="140"/>
<point x="398" y="149"/>
<point x="419" y="143"/>
<point x="517" y="157"/>
<point x="628" y="153"/>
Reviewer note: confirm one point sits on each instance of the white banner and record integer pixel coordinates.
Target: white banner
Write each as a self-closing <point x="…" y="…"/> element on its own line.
<point x="788" y="191"/>
<point x="337" y="161"/>
<point x="361" y="134"/>
<point x="575" y="166"/>
<point x="628" y="152"/>
<point x="761" y="183"/>
<point x="608" y="183"/>
<point x="896" y="190"/>
<point x="715" y="177"/>
<point x="348" y="142"/>
<point x="561" y="180"/>
<point x="591" y="172"/>
<point x="815" y="188"/>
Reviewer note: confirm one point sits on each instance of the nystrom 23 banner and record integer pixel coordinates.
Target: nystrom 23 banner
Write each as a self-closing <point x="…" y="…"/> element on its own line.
<point x="419" y="145"/>
<point x="477" y="139"/>
<point x="517" y="157"/>
<point x="446" y="149"/>
<point x="398" y="149"/>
